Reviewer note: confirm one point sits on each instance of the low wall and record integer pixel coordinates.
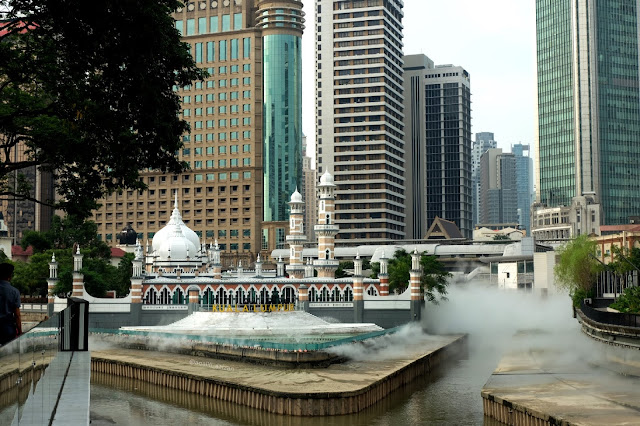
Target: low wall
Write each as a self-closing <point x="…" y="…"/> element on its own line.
<point x="293" y="404"/>
<point x="510" y="413"/>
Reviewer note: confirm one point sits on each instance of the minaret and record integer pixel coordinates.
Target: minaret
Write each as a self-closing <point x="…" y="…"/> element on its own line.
<point x="358" y="289"/>
<point x="217" y="266"/>
<point x="137" y="276"/>
<point x="51" y="283"/>
<point x="384" y="276"/>
<point x="296" y="236"/>
<point x="78" y="277"/>
<point x="414" y="285"/>
<point x="258" y="273"/>
<point x="326" y="229"/>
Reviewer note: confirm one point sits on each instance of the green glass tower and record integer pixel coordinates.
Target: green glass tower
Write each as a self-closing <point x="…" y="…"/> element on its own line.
<point x="589" y="104"/>
<point x="282" y="25"/>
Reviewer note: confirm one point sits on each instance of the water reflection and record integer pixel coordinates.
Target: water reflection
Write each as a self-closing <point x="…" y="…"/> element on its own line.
<point x="450" y="395"/>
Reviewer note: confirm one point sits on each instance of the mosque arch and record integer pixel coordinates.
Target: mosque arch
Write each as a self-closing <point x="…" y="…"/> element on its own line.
<point x="165" y="296"/>
<point x="288" y="294"/>
<point x="372" y="290"/>
<point x="324" y="294"/>
<point x="336" y="294"/>
<point x="348" y="294"/>
<point x="151" y="296"/>
<point x="313" y="294"/>
<point x="178" y="297"/>
<point x="208" y="297"/>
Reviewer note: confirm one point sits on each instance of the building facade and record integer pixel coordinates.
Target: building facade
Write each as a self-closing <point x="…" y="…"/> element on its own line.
<point x="359" y="113"/>
<point x="483" y="142"/>
<point x="588" y="105"/>
<point x="498" y="188"/>
<point x="244" y="145"/>
<point x="448" y="146"/>
<point x="524" y="184"/>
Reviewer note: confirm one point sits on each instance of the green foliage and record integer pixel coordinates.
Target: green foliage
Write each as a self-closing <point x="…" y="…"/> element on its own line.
<point x="88" y="90"/>
<point x="579" y="294"/>
<point x="64" y="233"/>
<point x="375" y="270"/>
<point x="577" y="268"/>
<point x="629" y="301"/>
<point x="433" y="281"/>
<point x="500" y="237"/>
<point x="342" y="266"/>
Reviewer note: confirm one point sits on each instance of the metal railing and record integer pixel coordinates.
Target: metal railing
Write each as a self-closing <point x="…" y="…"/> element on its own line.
<point x="611" y="318"/>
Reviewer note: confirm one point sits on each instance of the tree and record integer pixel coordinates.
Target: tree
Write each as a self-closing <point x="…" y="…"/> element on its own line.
<point x="577" y="268"/>
<point x="342" y="266"/>
<point x="629" y="301"/>
<point x="86" y="89"/>
<point x="434" y="278"/>
<point x="64" y="233"/>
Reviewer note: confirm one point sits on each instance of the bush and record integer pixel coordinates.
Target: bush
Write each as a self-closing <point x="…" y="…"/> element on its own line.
<point x="628" y="302"/>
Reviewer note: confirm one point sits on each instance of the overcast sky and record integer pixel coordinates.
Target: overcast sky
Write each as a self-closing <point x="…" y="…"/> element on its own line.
<point x="494" y="40"/>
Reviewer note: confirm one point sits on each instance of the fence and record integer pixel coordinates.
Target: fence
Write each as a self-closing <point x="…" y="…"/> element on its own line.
<point x="611" y="318"/>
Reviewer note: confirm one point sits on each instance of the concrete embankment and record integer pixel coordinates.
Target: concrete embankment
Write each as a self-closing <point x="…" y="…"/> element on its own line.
<point x="337" y="389"/>
<point x="523" y="390"/>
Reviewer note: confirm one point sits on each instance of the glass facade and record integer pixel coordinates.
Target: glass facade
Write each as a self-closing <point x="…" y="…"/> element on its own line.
<point x="604" y="136"/>
<point x="618" y="109"/>
<point x="555" y="103"/>
<point x="282" y="120"/>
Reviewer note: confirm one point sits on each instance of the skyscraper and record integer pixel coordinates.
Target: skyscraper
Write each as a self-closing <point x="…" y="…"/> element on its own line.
<point x="524" y="183"/>
<point x="359" y="112"/>
<point x="438" y="145"/>
<point x="245" y="140"/>
<point x="589" y="105"/>
<point x="498" y="189"/>
<point x="483" y="142"/>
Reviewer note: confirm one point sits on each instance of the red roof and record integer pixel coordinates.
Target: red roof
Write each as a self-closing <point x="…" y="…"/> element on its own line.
<point x="20" y="24"/>
<point x="17" y="251"/>
<point x="117" y="252"/>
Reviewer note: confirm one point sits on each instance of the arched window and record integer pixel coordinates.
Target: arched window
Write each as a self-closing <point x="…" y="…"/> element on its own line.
<point x="371" y="291"/>
<point x="335" y="294"/>
<point x="348" y="295"/>
<point x="165" y="297"/>
<point x="208" y="297"/>
<point x="152" y="297"/>
<point x="313" y="294"/>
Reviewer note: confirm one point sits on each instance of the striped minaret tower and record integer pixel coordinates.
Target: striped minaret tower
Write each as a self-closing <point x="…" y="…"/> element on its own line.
<point x="51" y="283"/>
<point x="326" y="229"/>
<point x="384" y="276"/>
<point x="414" y="285"/>
<point x="296" y="236"/>
<point x="358" y="289"/>
<point x="78" y="277"/>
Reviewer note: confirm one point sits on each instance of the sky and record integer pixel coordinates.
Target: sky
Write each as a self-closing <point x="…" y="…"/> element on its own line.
<point x="494" y="40"/>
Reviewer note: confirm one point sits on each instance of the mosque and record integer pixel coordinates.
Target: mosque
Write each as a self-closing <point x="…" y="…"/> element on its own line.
<point x="179" y="269"/>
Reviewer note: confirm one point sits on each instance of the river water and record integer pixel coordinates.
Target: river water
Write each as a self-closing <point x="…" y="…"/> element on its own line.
<point x="450" y="395"/>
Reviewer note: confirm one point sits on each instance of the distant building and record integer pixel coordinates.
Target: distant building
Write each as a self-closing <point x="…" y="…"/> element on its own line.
<point x="483" y="142"/>
<point x="524" y="183"/>
<point x="308" y="191"/>
<point x="438" y="151"/>
<point x="498" y="190"/>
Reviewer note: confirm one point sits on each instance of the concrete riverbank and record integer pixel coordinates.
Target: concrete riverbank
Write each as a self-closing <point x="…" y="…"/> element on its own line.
<point x="526" y="390"/>
<point x="337" y="389"/>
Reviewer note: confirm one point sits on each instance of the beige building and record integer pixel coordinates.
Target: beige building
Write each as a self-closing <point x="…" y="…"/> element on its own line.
<point x="221" y="196"/>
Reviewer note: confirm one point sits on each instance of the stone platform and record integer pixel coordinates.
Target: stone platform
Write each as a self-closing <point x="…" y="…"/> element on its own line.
<point x="525" y="390"/>
<point x="343" y="388"/>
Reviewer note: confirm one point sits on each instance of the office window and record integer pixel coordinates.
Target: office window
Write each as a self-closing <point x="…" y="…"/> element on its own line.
<point x="235" y="176"/>
<point x="213" y="24"/>
<point x="222" y="96"/>
<point x="210" y="177"/>
<point x="209" y="139"/>
<point x="246" y="147"/>
<point x="233" y="162"/>
<point x="202" y="25"/>
<point x="191" y="27"/>
<point x="233" y="95"/>
<point x="198" y="111"/>
<point x="222" y="55"/>
<point x="198" y="98"/>
<point x="246" y="48"/>
<point x="234" y="135"/>
<point x="246" y="80"/>
<point x="246" y="94"/>
<point x="199" y="138"/>
<point x="234" y="109"/>
<point x="179" y="26"/>
<point x="222" y="70"/>
<point x="246" y="67"/>
<point x="222" y="122"/>
<point x="210" y="148"/>
<point x="209" y="96"/>
<point x="211" y="52"/>
<point x="222" y="176"/>
<point x="226" y="22"/>
<point x="246" y="107"/>
<point x="210" y="124"/>
<point x="186" y="112"/>
<point x="222" y="149"/>
<point x="186" y="100"/>
<point x="222" y="136"/>
<point x="237" y="21"/>
<point x="234" y="49"/>
<point x="210" y="164"/>
<point x="209" y="110"/>
<point x="198" y="178"/>
<point x="234" y="69"/>
<point x="246" y="161"/>
<point x="246" y="175"/>
<point x="234" y="149"/>
<point x="222" y="83"/>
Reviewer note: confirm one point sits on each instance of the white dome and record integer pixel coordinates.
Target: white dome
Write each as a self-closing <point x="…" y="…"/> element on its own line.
<point x="168" y="231"/>
<point x="296" y="197"/>
<point x="326" y="179"/>
<point x="177" y="246"/>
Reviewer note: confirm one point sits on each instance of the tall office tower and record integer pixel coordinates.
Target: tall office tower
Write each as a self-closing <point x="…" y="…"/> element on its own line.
<point x="359" y="111"/>
<point x="588" y="139"/>
<point x="524" y="183"/>
<point x="246" y="112"/>
<point x="483" y="142"/>
<point x="308" y="190"/>
<point x="448" y="146"/>
<point x="26" y="215"/>
<point x="498" y="188"/>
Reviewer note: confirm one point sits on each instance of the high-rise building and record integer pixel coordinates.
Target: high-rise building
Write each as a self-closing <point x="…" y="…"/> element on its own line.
<point x="498" y="188"/>
<point x="483" y="142"/>
<point x="309" y="193"/>
<point x="437" y="145"/>
<point x="524" y="183"/>
<point x="588" y="138"/>
<point x="359" y="112"/>
<point x="245" y="140"/>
